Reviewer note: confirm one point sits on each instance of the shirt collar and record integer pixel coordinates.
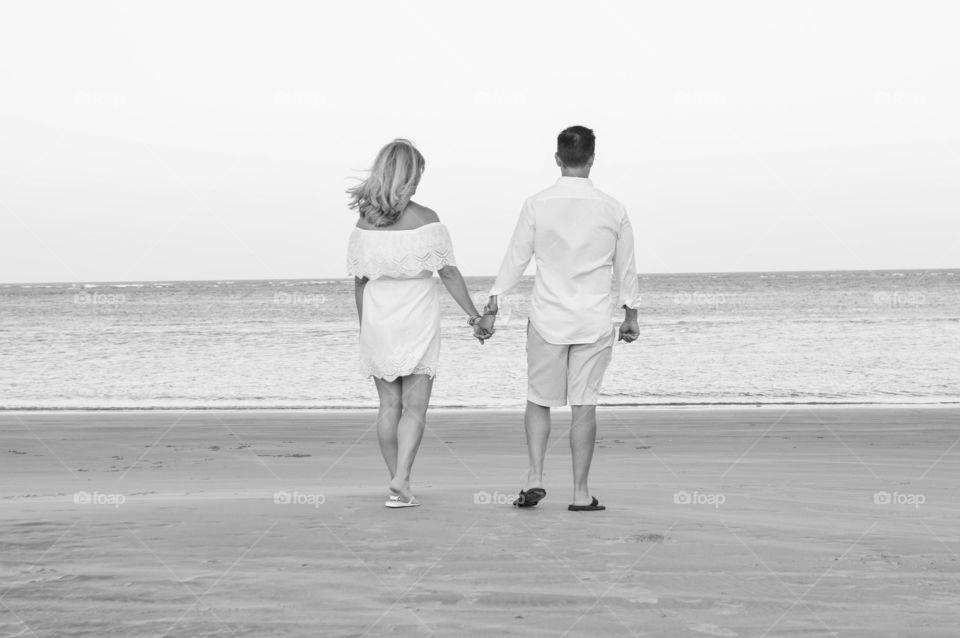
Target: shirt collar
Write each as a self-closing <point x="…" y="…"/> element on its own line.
<point x="565" y="179"/>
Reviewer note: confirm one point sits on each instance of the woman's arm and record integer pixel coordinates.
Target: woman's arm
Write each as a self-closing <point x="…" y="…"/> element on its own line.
<point x="453" y="280"/>
<point x="358" y="284"/>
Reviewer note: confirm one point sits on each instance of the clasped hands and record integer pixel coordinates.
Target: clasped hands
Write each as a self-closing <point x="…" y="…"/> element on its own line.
<point x="483" y="325"/>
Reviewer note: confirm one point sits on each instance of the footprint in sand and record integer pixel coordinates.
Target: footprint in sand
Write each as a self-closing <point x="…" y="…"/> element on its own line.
<point x="728" y="609"/>
<point x="638" y="595"/>
<point x="711" y="629"/>
<point x="642" y="538"/>
<point x="881" y="561"/>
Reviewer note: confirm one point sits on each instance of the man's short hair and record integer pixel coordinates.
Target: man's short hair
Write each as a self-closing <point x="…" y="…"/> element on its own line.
<point x="575" y="146"/>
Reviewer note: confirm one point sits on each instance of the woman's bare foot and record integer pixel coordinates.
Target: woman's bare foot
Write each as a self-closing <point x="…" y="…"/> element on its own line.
<point x="401" y="489"/>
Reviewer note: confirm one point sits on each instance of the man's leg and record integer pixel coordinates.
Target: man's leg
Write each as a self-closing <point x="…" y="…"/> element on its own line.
<point x="583" y="437"/>
<point x="546" y="387"/>
<point x="536" y="421"/>
<point x="588" y="363"/>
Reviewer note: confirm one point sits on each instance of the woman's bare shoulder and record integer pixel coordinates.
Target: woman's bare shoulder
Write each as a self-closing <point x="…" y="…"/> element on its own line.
<point x="418" y="215"/>
<point x="413" y="216"/>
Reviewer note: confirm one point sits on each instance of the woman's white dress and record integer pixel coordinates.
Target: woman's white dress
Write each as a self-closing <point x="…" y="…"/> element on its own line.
<point x="400" y="330"/>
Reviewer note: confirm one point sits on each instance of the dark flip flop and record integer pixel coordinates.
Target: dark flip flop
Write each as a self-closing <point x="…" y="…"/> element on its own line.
<point x="595" y="506"/>
<point x="530" y="497"/>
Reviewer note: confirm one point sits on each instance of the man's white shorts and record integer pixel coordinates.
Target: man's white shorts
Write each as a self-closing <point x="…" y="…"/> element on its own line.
<point x="562" y="373"/>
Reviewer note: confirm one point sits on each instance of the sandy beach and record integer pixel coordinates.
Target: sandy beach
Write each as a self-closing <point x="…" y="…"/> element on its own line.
<point x="775" y="521"/>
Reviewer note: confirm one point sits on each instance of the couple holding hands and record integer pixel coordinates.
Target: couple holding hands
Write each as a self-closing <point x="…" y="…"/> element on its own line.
<point x="578" y="235"/>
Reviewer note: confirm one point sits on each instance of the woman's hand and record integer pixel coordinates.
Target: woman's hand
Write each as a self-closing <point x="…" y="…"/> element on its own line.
<point x="485" y="323"/>
<point x="480" y="332"/>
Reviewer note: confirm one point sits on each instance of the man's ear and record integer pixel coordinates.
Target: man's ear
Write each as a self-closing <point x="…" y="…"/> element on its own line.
<point x="590" y="161"/>
<point x="556" y="156"/>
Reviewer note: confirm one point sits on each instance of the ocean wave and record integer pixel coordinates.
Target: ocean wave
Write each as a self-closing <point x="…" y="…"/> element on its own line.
<point x="191" y="345"/>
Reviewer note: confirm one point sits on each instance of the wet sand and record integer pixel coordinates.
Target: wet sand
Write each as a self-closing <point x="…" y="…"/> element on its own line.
<point x="766" y="521"/>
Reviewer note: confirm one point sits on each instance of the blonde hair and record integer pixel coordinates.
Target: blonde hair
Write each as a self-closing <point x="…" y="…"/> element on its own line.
<point x="393" y="180"/>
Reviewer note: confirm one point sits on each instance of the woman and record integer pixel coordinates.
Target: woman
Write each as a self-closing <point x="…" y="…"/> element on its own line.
<point x="393" y="252"/>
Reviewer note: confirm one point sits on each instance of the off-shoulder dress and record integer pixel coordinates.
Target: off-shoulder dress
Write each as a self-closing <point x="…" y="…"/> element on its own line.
<point x="400" y="329"/>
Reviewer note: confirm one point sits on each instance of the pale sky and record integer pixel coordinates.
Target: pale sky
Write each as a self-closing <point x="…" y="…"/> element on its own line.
<point x="214" y="140"/>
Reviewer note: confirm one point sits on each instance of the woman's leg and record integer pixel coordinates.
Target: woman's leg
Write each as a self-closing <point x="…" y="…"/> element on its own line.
<point x="388" y="418"/>
<point x="416" y="398"/>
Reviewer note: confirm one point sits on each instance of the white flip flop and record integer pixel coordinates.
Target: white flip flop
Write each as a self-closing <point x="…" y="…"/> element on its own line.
<point x="395" y="503"/>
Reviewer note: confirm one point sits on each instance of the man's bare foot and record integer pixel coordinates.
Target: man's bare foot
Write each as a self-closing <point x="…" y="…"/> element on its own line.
<point x="582" y="498"/>
<point x="533" y="482"/>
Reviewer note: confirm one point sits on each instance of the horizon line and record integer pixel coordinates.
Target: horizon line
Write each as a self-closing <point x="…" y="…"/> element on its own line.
<point x="639" y="274"/>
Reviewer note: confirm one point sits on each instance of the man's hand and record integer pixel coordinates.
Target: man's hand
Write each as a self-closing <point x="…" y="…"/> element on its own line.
<point x="484" y="329"/>
<point x="481" y="333"/>
<point x="629" y="329"/>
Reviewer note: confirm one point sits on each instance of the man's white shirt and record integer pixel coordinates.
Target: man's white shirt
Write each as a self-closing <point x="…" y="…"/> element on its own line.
<point x="580" y="237"/>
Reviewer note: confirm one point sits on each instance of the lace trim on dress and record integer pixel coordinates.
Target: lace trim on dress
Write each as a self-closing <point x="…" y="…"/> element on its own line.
<point x="400" y="363"/>
<point x="399" y="254"/>
<point x="396" y="373"/>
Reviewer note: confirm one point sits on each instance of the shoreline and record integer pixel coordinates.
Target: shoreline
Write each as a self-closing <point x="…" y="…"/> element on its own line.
<point x="474" y="408"/>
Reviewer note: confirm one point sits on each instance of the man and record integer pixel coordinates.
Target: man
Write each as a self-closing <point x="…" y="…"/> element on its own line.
<point x="578" y="236"/>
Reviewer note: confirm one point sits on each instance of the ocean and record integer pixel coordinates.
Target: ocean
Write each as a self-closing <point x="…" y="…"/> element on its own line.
<point x="878" y="337"/>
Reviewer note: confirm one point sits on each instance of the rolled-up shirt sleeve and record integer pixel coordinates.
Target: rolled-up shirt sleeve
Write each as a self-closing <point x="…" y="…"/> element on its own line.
<point x="518" y="254"/>
<point x="625" y="266"/>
